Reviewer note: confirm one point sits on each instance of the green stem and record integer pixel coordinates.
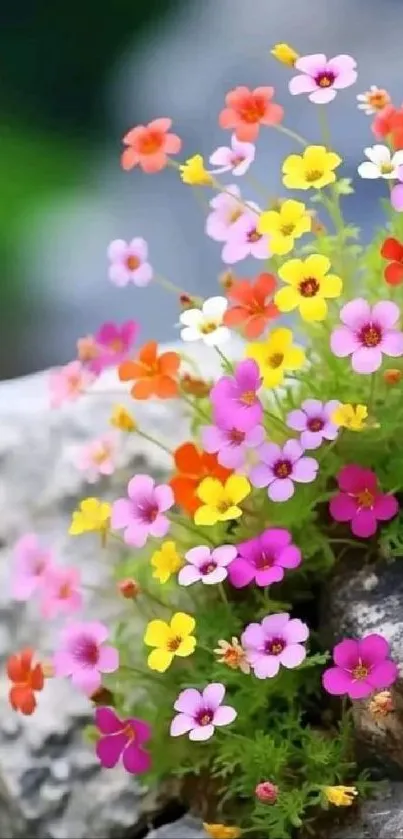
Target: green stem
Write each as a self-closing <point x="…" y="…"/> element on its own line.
<point x="177" y="520"/>
<point x="351" y="542"/>
<point x="371" y="396"/>
<point x="195" y="407"/>
<point x="224" y="359"/>
<point x="292" y="134"/>
<point x="169" y="286"/>
<point x="153" y="440"/>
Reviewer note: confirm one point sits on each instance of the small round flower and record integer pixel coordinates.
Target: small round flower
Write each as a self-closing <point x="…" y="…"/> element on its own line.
<point x="349" y="416"/>
<point x="232" y="446"/>
<point x="206" y="324"/>
<point x="112" y="344"/>
<point x="266" y="792"/>
<point x="194" y="173"/>
<point x="252" y="307"/>
<point x="276" y="356"/>
<point x="236" y="159"/>
<point x="227" y="208"/>
<point x="97" y="457"/>
<point x="84" y="656"/>
<point x="245" y="240"/>
<point x="122" y="419"/>
<point x="235" y="400"/>
<point x="128" y="262"/>
<point x="381" y="163"/>
<point x="360" y="501"/>
<point x="285" y="54"/>
<point x="321" y="78"/>
<point x="360" y="667"/>
<point x="170" y="639"/>
<point x="200" y="712"/>
<point x="68" y="383"/>
<point x="393" y="376"/>
<point x="264" y="558"/>
<point x="246" y="110"/>
<point x="129" y="588"/>
<point x="165" y="562"/>
<point x="232" y="655"/>
<point x="308" y="287"/>
<point x="27" y="679"/>
<point x="61" y="592"/>
<point x="222" y="831"/>
<point x="388" y="125"/>
<point x="221" y="500"/>
<point x="280" y="467"/>
<point x="148" y="146"/>
<point x="276" y="640"/>
<point x="206" y="566"/>
<point x="367" y="333"/>
<point x="285" y="225"/>
<point x="381" y="704"/>
<point x="315" y="421"/>
<point x="92" y="516"/>
<point x="31" y="563"/>
<point x="373" y="100"/>
<point x="313" y="168"/>
<point x="122" y="739"/>
<point x="142" y="514"/>
<point x="392" y="250"/>
<point x="340" y="796"/>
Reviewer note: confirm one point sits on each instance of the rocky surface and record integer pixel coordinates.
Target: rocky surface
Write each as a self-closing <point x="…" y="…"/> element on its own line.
<point x="380" y="818"/>
<point x="51" y="786"/>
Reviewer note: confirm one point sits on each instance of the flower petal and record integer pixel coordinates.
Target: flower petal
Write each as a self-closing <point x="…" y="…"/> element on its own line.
<point x="213" y="695"/>
<point x="110" y="748"/>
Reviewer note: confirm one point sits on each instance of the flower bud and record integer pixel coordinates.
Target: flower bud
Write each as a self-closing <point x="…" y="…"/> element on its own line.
<point x="392" y="376"/>
<point x="129" y="589"/>
<point x="381" y="704"/>
<point x="285" y="54"/>
<point x="103" y="696"/>
<point x="266" y="792"/>
<point x="227" y="280"/>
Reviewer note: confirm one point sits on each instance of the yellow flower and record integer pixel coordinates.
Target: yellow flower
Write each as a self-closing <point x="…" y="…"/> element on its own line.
<point x="313" y="168"/>
<point x="285" y="225"/>
<point x="92" y="515"/>
<point x="276" y="356"/>
<point x="350" y="416"/>
<point x="122" y="419"/>
<point x="193" y="172"/>
<point x="220" y="501"/>
<point x="221" y="831"/>
<point x="170" y="639"/>
<point x="285" y="54"/>
<point x="166" y="562"/>
<point x="308" y="286"/>
<point x="340" y="796"/>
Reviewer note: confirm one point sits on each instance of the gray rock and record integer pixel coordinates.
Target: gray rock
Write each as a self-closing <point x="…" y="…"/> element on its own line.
<point x="380" y="818"/>
<point x="51" y="785"/>
<point x="185" y="828"/>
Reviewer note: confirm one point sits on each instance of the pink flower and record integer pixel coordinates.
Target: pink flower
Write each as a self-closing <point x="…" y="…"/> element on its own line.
<point x="280" y="467"/>
<point x="112" y="344"/>
<point x="360" y="501"/>
<point x="313" y="420"/>
<point x="32" y="562"/>
<point x="362" y="667"/>
<point x="122" y="738"/>
<point x="129" y="262"/>
<point x="367" y="333"/>
<point x="205" y="565"/>
<point x="244" y="240"/>
<point x="98" y="457"/>
<point x="236" y="159"/>
<point x="266" y="792"/>
<point x="274" y="641"/>
<point x="61" y="592"/>
<point x="396" y="195"/>
<point x="83" y="656"/>
<point x="199" y="713"/>
<point x="231" y="444"/>
<point x="322" y="78"/>
<point x="263" y="559"/>
<point x="235" y="400"/>
<point x="227" y="209"/>
<point x="142" y="514"/>
<point x="68" y="383"/>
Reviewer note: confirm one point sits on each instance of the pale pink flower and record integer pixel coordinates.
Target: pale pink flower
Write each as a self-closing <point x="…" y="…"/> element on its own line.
<point x="244" y="240"/>
<point x="142" y="514"/>
<point x="68" y="383"/>
<point x="61" y="592"/>
<point x="31" y="562"/>
<point x="97" y="457"/>
<point x="236" y="159"/>
<point x="128" y="262"/>
<point x="84" y="657"/>
<point x="227" y="209"/>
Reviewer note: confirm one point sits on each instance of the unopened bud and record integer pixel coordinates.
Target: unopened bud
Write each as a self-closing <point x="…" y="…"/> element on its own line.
<point x="129" y="589"/>
<point x="103" y="696"/>
<point x="392" y="376"/>
<point x="266" y="792"/>
<point x="227" y="280"/>
<point x="381" y="704"/>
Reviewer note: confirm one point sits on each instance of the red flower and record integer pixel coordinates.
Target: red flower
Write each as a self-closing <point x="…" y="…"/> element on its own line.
<point x="388" y="125"/>
<point x="149" y="145"/>
<point x="392" y="250"/>
<point x="253" y="307"/>
<point x="248" y="109"/>
<point x="26" y="678"/>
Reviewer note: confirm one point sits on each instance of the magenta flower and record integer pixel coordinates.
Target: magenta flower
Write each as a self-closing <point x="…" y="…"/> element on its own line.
<point x="367" y="333"/>
<point x="360" y="501"/>
<point x="322" y="78"/>
<point x="199" y="713"/>
<point x="227" y="209"/>
<point x="396" y="195"/>
<point x="244" y="240"/>
<point x="232" y="445"/>
<point x="276" y="640"/>
<point x="122" y="739"/>
<point x="206" y="565"/>
<point x="280" y="467"/>
<point x="61" y="592"/>
<point x="83" y="657"/>
<point x="112" y="344"/>
<point x="68" y="383"/>
<point x="97" y="457"/>
<point x="128" y="262"/>
<point x="313" y="420"/>
<point x="362" y="667"/>
<point x="263" y="559"/>
<point x="236" y="159"/>
<point x="142" y="514"/>
<point x="234" y="398"/>
<point x="31" y="563"/>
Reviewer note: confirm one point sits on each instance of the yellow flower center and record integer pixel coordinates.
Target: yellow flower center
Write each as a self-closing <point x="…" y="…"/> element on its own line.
<point x="275" y="360"/>
<point x="248" y="397"/>
<point x="325" y="79"/>
<point x="312" y="175"/>
<point x="361" y="671"/>
<point x="65" y="591"/>
<point x="378" y="99"/>
<point x="309" y="287"/>
<point x="208" y="327"/>
<point x="287" y="229"/>
<point x="235" y="215"/>
<point x="365" y="498"/>
<point x="386" y="168"/>
<point x="223" y="506"/>
<point x="101" y="455"/>
<point x="174" y="643"/>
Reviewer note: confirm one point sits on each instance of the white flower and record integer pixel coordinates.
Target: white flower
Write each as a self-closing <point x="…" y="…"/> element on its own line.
<point x="380" y="163"/>
<point x="206" y="324"/>
<point x="237" y="159"/>
<point x="373" y="100"/>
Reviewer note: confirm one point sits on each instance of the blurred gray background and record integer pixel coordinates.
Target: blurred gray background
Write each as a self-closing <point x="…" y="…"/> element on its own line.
<point x="75" y="78"/>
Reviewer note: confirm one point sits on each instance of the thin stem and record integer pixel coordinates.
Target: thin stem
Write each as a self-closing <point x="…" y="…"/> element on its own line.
<point x="351" y="542"/>
<point x="177" y="520"/>
<point x="169" y="286"/>
<point x="153" y="440"/>
<point x="371" y="396"/>
<point x="195" y="407"/>
<point x="143" y="673"/>
<point x="292" y="134"/>
<point x="224" y="358"/>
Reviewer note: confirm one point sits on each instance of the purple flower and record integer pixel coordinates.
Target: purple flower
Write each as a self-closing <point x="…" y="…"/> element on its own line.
<point x="264" y="558"/>
<point x="122" y="738"/>
<point x="322" y="78"/>
<point x="244" y="240"/>
<point x="128" y="262"/>
<point x="206" y="565"/>
<point x="362" y="667"/>
<point x="396" y="195"/>
<point x="199" y="713"/>
<point x="227" y="209"/>
<point x="231" y="444"/>
<point x="274" y="641"/>
<point x="313" y="419"/>
<point x="367" y="333"/>
<point x="234" y="398"/>
<point x="83" y="656"/>
<point x="236" y="159"/>
<point x="141" y="515"/>
<point x="280" y="467"/>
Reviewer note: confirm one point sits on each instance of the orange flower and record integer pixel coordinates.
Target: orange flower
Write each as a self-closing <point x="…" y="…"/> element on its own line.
<point x="156" y="375"/>
<point x="149" y="145"/>
<point x="195" y="386"/>
<point x="26" y="679"/>
<point x="253" y="309"/>
<point x="248" y="109"/>
<point x="388" y="125"/>
<point x="193" y="465"/>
